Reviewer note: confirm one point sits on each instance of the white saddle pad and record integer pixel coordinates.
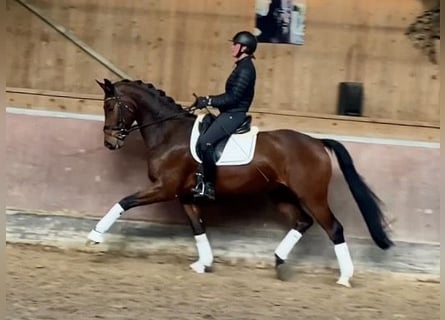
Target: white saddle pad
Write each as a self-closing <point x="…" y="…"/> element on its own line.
<point x="239" y="149"/>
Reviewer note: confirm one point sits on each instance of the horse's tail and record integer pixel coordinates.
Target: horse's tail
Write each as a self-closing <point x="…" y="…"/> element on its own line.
<point x="367" y="201"/>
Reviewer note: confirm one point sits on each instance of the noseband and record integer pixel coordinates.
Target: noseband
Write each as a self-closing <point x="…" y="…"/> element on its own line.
<point x="119" y="131"/>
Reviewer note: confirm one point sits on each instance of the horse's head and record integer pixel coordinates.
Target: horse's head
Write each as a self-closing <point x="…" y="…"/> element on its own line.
<point x="119" y="113"/>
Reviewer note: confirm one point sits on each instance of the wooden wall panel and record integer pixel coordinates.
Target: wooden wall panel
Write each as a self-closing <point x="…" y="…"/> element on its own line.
<point x="265" y="119"/>
<point x="181" y="46"/>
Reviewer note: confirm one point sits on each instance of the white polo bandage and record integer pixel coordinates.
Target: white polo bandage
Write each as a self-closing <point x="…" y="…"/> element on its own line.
<point x="344" y="260"/>
<point x="287" y="244"/>
<point x="204" y="250"/>
<point x="107" y="221"/>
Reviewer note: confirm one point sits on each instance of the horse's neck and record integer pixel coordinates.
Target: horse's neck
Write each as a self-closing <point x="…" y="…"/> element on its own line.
<point x="172" y="131"/>
<point x="158" y="123"/>
<point x="162" y="130"/>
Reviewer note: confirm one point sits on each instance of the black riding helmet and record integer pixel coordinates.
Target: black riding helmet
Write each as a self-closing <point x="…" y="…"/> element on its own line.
<point x="247" y="39"/>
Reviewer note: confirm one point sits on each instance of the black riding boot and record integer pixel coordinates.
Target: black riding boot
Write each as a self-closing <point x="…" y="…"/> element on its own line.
<point x="205" y="177"/>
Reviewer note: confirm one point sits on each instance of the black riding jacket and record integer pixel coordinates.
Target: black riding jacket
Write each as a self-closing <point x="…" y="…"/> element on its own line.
<point x="240" y="88"/>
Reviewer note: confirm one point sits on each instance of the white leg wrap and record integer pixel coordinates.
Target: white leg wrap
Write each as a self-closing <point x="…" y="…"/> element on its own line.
<point x="96" y="236"/>
<point x="288" y="243"/>
<point x="204" y="252"/>
<point x="105" y="223"/>
<point x="345" y="263"/>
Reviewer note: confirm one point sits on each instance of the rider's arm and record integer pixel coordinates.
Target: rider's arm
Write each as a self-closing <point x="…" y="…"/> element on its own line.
<point x="235" y="93"/>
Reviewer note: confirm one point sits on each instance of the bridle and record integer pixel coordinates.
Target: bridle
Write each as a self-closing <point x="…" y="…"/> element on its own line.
<point x="120" y="132"/>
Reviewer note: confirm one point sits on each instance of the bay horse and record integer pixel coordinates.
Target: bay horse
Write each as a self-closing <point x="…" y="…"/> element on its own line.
<point x="292" y="168"/>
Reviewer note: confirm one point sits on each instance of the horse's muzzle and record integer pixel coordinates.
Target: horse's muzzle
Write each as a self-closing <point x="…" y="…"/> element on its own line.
<point x="113" y="143"/>
<point x="112" y="146"/>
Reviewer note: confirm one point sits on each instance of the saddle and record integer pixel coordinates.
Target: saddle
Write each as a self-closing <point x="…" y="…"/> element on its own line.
<point x="220" y="146"/>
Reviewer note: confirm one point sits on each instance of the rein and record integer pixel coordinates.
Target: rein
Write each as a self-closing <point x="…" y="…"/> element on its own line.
<point x="123" y="132"/>
<point x="136" y="127"/>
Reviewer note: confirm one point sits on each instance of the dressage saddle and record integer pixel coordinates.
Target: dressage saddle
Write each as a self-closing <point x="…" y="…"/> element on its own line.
<point x="219" y="148"/>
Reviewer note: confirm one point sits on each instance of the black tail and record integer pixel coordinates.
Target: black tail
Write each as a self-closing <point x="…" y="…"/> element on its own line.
<point x="367" y="201"/>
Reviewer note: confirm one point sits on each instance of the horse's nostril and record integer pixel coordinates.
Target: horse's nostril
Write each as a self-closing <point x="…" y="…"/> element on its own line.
<point x="107" y="144"/>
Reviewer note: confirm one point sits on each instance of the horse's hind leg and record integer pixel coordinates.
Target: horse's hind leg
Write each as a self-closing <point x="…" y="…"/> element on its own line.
<point x="289" y="204"/>
<point x="323" y="215"/>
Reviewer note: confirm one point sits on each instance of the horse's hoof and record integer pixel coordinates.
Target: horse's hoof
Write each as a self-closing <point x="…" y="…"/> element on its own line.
<point x="199" y="267"/>
<point x="208" y="269"/>
<point x="90" y="243"/>
<point x="95" y="237"/>
<point x="344" y="282"/>
<point x="284" y="272"/>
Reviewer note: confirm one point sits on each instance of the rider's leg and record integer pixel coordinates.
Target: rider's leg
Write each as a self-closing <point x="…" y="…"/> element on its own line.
<point x="223" y="126"/>
<point x="206" y="174"/>
<point x="209" y="166"/>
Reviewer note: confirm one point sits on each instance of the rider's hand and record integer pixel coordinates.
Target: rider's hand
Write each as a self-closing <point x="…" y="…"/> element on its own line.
<point x="202" y="102"/>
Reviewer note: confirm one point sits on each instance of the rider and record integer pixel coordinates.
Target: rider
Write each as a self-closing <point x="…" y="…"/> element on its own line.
<point x="233" y="105"/>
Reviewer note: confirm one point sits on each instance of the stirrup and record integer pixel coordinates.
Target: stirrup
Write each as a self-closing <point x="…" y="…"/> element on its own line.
<point x="199" y="188"/>
<point x="204" y="190"/>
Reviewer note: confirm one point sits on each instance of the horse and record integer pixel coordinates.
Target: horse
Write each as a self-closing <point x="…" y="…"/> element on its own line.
<point x="291" y="168"/>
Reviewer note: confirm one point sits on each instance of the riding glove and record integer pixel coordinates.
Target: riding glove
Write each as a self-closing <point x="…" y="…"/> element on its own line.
<point x="203" y="102"/>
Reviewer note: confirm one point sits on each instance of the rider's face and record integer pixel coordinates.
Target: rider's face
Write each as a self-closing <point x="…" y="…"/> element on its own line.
<point x="235" y="48"/>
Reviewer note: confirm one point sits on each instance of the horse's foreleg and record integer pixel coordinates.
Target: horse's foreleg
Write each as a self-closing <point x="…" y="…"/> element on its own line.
<point x="205" y="254"/>
<point x="152" y="195"/>
<point x="96" y="235"/>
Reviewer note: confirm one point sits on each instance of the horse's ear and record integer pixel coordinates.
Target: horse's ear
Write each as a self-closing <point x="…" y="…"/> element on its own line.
<point x="108" y="87"/>
<point x="102" y="85"/>
<point x="108" y="83"/>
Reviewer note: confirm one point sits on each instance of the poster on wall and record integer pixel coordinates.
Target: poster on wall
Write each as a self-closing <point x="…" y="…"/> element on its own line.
<point x="280" y="21"/>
